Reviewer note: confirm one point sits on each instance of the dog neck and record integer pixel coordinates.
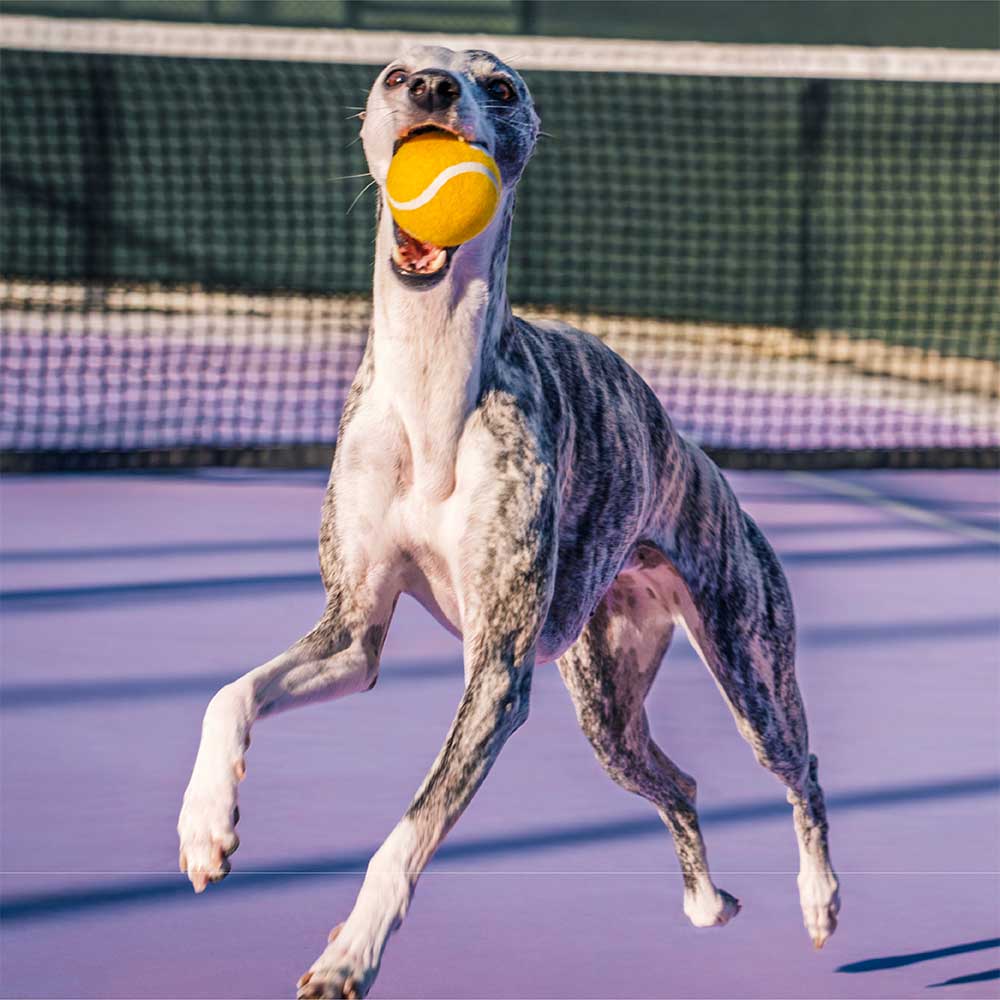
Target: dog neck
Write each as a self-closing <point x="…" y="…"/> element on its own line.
<point x="432" y="346"/>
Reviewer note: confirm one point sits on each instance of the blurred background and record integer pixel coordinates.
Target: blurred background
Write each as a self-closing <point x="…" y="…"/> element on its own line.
<point x="797" y="248"/>
<point x="955" y="24"/>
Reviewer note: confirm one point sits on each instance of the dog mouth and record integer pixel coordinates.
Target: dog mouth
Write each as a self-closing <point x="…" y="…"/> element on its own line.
<point x="421" y="128"/>
<point x="416" y="263"/>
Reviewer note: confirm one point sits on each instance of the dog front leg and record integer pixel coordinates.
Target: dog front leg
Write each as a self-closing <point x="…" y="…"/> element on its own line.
<point x="338" y="657"/>
<point x="495" y="704"/>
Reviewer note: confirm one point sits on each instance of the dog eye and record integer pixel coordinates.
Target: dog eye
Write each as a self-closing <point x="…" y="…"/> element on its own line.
<point x="395" y="78"/>
<point x="501" y="90"/>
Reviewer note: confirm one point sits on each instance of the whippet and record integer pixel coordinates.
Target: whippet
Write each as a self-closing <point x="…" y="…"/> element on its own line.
<point x="526" y="486"/>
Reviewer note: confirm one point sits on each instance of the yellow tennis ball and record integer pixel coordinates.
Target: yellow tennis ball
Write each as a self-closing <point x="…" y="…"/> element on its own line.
<point x="442" y="190"/>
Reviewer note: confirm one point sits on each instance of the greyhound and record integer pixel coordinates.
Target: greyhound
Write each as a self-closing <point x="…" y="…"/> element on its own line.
<point x="526" y="486"/>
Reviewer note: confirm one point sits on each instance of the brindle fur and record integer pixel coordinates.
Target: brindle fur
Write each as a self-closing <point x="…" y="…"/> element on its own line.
<point x="526" y="485"/>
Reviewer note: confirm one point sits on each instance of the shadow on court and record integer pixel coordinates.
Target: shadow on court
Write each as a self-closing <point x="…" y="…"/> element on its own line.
<point x="16" y="697"/>
<point x="54" y="904"/>
<point x="989" y="975"/>
<point x="898" y="961"/>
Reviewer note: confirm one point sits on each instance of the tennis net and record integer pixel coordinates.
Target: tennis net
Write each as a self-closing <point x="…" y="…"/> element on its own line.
<point x="796" y="246"/>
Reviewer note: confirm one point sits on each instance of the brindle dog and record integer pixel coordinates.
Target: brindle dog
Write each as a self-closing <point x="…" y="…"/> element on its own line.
<point x="526" y="486"/>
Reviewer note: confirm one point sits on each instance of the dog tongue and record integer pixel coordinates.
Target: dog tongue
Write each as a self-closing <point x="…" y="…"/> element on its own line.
<point x="413" y="255"/>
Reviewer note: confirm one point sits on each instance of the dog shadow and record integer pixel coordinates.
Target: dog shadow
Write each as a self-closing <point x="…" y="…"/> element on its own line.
<point x="899" y="961"/>
<point x="975" y="977"/>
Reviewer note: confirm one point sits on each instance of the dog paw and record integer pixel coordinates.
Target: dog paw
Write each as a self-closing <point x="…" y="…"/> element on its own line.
<point x="341" y="972"/>
<point x="207" y="825"/>
<point x="711" y="910"/>
<point x="820" y="898"/>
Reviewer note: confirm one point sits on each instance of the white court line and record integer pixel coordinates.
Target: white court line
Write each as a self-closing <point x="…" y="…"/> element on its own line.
<point x="907" y="511"/>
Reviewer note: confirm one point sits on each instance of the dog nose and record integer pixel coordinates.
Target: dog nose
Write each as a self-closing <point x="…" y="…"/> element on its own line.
<point x="434" y="89"/>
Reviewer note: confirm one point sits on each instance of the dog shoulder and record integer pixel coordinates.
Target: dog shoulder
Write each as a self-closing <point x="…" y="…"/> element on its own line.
<point x="607" y="411"/>
<point x="585" y="367"/>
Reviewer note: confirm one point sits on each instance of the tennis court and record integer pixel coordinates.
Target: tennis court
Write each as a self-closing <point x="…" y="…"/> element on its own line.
<point x="129" y="599"/>
<point x="797" y="246"/>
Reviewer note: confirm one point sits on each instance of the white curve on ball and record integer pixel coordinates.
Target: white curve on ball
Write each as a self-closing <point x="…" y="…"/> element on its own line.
<point x="439" y="182"/>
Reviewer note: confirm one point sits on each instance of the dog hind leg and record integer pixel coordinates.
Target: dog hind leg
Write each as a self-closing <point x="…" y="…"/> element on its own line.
<point x="608" y="672"/>
<point x="742" y="626"/>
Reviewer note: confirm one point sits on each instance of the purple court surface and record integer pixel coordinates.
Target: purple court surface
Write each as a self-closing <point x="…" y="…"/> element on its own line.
<point x="129" y="599"/>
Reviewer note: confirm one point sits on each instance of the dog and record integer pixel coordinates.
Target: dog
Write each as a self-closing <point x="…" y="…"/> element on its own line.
<point x="527" y="487"/>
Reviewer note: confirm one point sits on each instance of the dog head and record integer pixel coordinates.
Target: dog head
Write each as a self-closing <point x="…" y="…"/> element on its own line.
<point x="471" y="94"/>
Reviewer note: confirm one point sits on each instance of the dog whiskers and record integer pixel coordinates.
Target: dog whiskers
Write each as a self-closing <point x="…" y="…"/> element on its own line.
<point x="357" y="197"/>
<point x="516" y="126"/>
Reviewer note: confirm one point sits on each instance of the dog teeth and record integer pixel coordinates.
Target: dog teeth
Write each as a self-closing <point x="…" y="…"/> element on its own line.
<point x="428" y="263"/>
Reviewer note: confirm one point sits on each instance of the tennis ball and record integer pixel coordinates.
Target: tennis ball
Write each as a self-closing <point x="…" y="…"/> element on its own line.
<point x="441" y="189"/>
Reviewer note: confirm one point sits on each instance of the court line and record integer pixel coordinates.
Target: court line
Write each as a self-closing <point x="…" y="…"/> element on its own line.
<point x="902" y="508"/>
<point x="47" y="905"/>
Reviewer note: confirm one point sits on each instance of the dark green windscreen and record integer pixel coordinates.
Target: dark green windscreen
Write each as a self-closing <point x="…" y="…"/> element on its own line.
<point x="835" y="212"/>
